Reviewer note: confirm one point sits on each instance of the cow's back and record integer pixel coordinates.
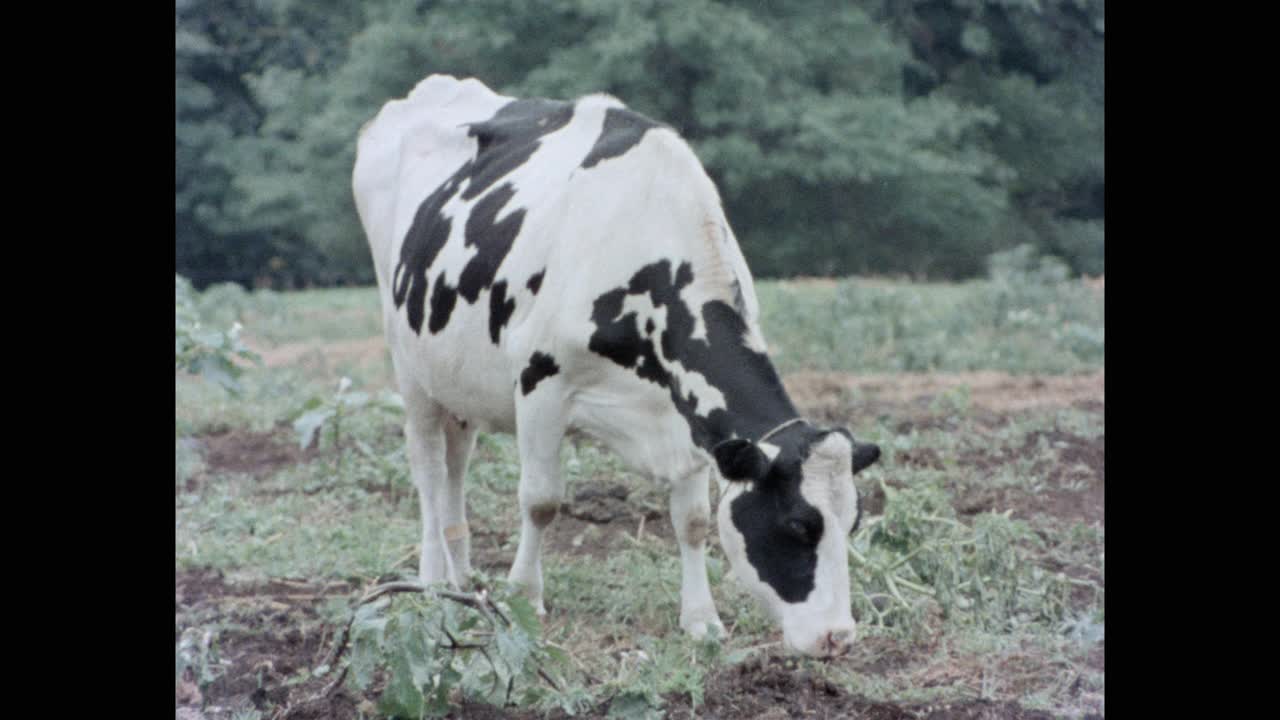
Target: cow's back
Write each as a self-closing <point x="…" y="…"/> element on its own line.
<point x="497" y="225"/>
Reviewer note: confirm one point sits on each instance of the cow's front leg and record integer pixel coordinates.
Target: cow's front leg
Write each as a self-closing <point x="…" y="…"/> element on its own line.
<point x="690" y="514"/>
<point x="540" y="426"/>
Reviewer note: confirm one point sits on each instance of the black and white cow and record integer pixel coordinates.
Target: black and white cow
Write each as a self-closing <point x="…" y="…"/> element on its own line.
<point x="545" y="265"/>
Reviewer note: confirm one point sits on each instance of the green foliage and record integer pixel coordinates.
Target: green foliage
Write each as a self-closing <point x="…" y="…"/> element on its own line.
<point x="205" y="350"/>
<point x="186" y="460"/>
<point x="320" y="411"/>
<point x="425" y="646"/>
<point x="196" y="657"/>
<point x="1028" y="316"/>
<point x="657" y="667"/>
<point x="909" y="137"/>
<point x="984" y="591"/>
<point x="918" y="556"/>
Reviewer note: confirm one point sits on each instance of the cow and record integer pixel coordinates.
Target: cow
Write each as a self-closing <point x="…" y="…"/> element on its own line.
<point x="545" y="265"/>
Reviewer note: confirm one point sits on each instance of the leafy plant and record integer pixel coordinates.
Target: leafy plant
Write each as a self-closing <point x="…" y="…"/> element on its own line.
<point x="205" y="350"/>
<point x="196" y="658"/>
<point x="930" y="135"/>
<point x="320" y="411"/>
<point x="422" y="646"/>
<point x="656" y="667"/>
<point x="918" y="554"/>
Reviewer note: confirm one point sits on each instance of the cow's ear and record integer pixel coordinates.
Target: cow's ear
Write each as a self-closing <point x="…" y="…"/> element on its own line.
<point x="741" y="459"/>
<point x="864" y="454"/>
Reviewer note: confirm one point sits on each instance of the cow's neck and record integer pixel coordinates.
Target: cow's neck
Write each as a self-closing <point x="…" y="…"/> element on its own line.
<point x="756" y="402"/>
<point x="737" y="391"/>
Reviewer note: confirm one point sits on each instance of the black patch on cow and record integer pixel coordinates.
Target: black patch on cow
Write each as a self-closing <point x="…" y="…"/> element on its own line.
<point x="535" y="281"/>
<point x="780" y="528"/>
<point x="622" y="130"/>
<point x="491" y="239"/>
<point x="427" y="236"/>
<point x="857" y="511"/>
<point x="755" y="398"/>
<point x="442" y="301"/>
<point x="781" y="531"/>
<point x="504" y="142"/>
<point x="541" y="366"/>
<point x="648" y="327"/>
<point x="741" y="459"/>
<point x="500" y="309"/>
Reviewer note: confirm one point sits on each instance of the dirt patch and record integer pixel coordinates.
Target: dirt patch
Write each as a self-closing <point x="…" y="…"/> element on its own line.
<point x="250" y="453"/>
<point x="269" y="632"/>
<point x="599" y="503"/>
<point x="771" y="688"/>
<point x="591" y="524"/>
<point x="1073" y="488"/>
<point x="597" y="517"/>
<point x="830" y="393"/>
<point x="264" y="635"/>
<point x="359" y="351"/>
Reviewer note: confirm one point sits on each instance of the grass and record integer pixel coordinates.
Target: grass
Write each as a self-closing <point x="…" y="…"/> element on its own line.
<point x="858" y="325"/>
<point x="347" y="512"/>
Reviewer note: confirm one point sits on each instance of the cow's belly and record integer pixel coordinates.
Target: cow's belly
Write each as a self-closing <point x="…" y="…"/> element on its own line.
<point x="460" y="367"/>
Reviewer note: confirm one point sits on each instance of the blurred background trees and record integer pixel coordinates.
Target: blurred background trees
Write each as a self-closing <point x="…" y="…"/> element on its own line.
<point x="902" y="137"/>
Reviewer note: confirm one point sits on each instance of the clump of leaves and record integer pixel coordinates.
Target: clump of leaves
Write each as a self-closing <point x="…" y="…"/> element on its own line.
<point x="918" y="555"/>
<point x="321" y="411"/>
<point x="205" y="350"/>
<point x="657" y="667"/>
<point x="196" y="661"/>
<point x="421" y="647"/>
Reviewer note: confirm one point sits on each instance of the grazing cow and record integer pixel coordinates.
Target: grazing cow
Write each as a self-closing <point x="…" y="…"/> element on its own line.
<point x="544" y="265"/>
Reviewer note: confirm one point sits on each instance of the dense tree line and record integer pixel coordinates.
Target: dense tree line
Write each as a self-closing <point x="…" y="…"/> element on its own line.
<point x="877" y="136"/>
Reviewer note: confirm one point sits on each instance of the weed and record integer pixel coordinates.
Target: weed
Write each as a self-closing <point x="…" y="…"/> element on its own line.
<point x="918" y="556"/>
<point x="197" y="658"/>
<point x="425" y="645"/>
<point x="202" y="349"/>
<point x="950" y="605"/>
<point x="186" y="460"/>
<point x="1027" y="316"/>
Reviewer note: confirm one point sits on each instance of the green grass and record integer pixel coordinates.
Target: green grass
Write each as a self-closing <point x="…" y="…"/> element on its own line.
<point x="859" y="325"/>
<point x="349" y="513"/>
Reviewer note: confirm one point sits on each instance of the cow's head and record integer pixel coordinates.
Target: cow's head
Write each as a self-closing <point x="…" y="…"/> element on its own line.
<point x="784" y="518"/>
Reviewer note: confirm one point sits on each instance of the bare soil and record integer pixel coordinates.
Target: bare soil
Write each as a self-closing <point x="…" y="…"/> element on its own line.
<point x="257" y="454"/>
<point x="987" y="390"/>
<point x="772" y="688"/>
<point x="321" y="355"/>
<point x="271" y="630"/>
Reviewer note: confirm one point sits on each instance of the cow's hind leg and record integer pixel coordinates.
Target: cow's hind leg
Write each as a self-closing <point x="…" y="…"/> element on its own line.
<point x="540" y="426"/>
<point x="460" y="437"/>
<point x="427" y="446"/>
<point x="690" y="514"/>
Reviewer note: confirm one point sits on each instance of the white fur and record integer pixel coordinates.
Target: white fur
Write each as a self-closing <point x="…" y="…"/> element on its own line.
<point x="828" y="486"/>
<point x="591" y="229"/>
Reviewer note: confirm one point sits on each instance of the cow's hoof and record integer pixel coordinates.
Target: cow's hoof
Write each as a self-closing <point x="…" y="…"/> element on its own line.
<point x="533" y="596"/>
<point x="701" y="626"/>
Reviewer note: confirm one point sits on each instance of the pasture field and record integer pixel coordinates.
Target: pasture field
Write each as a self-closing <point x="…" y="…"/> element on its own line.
<point x="978" y="568"/>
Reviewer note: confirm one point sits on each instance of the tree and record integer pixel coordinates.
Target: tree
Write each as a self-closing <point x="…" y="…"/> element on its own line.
<point x="885" y="136"/>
